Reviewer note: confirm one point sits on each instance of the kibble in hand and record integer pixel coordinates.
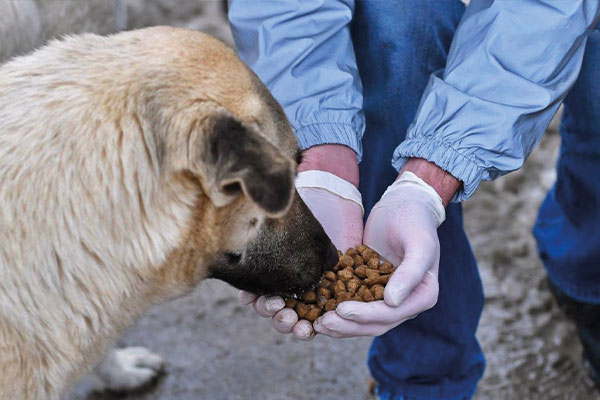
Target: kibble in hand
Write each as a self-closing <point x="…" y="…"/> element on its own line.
<point x="358" y="276"/>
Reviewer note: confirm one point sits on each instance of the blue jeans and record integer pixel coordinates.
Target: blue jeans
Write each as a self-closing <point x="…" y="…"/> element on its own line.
<point x="398" y="44"/>
<point x="568" y="226"/>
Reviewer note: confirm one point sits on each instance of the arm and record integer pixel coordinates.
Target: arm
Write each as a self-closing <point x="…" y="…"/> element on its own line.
<point x="303" y="52"/>
<point x="510" y="65"/>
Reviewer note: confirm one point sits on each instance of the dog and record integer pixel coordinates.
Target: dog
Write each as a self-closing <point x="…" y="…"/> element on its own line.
<point x="133" y="166"/>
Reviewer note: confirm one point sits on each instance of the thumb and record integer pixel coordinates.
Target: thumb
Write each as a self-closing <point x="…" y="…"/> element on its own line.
<point x="409" y="274"/>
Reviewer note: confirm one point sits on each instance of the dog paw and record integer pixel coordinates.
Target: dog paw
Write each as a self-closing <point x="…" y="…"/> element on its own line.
<point x="128" y="369"/>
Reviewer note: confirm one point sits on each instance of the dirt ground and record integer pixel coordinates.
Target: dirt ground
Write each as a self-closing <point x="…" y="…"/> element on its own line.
<point x="216" y="349"/>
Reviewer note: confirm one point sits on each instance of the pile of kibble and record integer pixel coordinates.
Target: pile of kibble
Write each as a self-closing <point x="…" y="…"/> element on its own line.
<point x="359" y="276"/>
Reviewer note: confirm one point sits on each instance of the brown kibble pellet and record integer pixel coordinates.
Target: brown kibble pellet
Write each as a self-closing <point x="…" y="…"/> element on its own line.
<point x="386" y="267"/>
<point x="358" y="261"/>
<point x="351" y="252"/>
<point x="352" y="285"/>
<point x="324" y="292"/>
<point x="346" y="261"/>
<point x="373" y="263"/>
<point x="343" y="296"/>
<point x="361" y="271"/>
<point x="346" y="274"/>
<point x="339" y="287"/>
<point x="330" y="305"/>
<point x="330" y="275"/>
<point x="371" y="272"/>
<point x="381" y="280"/>
<point x="321" y="301"/>
<point x="291" y="302"/>
<point x="309" y="297"/>
<point x="377" y="291"/>
<point x="361" y="248"/>
<point x="368" y="296"/>
<point x="368" y="254"/>
<point x="356" y="297"/>
<point x="340" y="254"/>
<point x="301" y="310"/>
<point x="361" y="290"/>
<point x="313" y="314"/>
<point x="325" y="283"/>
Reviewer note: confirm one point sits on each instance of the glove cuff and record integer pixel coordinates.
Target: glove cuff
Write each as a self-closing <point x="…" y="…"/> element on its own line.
<point x="330" y="182"/>
<point x="431" y="197"/>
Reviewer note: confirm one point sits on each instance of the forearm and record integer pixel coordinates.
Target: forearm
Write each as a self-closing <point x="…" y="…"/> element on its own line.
<point x="443" y="182"/>
<point x="510" y="65"/>
<point x="333" y="158"/>
<point x="303" y="52"/>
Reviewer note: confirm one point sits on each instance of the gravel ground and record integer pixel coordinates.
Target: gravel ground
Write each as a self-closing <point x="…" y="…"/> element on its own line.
<point x="218" y="350"/>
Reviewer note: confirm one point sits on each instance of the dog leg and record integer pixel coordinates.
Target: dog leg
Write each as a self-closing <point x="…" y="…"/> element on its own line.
<point x="127" y="369"/>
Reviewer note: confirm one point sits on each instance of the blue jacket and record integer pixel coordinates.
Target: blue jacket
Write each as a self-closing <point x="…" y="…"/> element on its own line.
<point x="510" y="65"/>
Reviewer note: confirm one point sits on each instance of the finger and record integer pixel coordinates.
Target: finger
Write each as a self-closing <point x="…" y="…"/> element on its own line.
<point x="268" y="306"/>
<point x="423" y="297"/>
<point x="335" y="326"/>
<point x="303" y="330"/>
<point x="246" y="298"/>
<point x="408" y="275"/>
<point x="284" y="320"/>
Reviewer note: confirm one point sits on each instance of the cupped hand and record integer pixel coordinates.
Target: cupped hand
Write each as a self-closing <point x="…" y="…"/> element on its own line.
<point x="402" y="228"/>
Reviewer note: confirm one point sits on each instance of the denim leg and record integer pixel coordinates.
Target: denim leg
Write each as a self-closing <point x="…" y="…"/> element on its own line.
<point x="568" y="225"/>
<point x="398" y="44"/>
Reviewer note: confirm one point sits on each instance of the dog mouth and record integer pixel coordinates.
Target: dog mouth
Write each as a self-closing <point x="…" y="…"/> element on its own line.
<point x="263" y="278"/>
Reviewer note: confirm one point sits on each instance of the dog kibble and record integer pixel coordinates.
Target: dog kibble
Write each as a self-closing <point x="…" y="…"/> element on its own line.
<point x="324" y="292"/>
<point x="373" y="263"/>
<point x="302" y="310"/>
<point x="313" y="314"/>
<point x="291" y="303"/>
<point x="346" y="261"/>
<point x="330" y="275"/>
<point x="346" y="274"/>
<point x="309" y="297"/>
<point x="358" y="276"/>
<point x="377" y="291"/>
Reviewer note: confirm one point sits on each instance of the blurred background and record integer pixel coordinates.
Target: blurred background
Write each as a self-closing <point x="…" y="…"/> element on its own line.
<point x="216" y="349"/>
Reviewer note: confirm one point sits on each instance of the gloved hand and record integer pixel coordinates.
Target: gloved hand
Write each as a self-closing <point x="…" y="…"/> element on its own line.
<point x="337" y="205"/>
<point x="402" y="228"/>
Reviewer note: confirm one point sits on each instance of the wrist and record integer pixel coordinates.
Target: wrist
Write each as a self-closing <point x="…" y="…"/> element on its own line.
<point x="336" y="159"/>
<point x="441" y="181"/>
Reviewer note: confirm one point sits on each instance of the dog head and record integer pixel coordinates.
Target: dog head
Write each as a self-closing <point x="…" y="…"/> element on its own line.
<point x="223" y="130"/>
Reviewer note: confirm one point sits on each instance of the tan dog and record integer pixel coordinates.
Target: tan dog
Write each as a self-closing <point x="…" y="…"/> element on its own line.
<point x="131" y="167"/>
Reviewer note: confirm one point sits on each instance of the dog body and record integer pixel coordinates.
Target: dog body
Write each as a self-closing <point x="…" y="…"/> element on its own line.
<point x="132" y="167"/>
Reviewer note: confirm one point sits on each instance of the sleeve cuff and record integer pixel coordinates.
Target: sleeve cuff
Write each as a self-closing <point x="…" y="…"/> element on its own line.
<point x="314" y="134"/>
<point x="447" y="158"/>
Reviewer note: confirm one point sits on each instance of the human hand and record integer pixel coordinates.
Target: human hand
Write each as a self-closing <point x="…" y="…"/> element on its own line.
<point x="327" y="180"/>
<point x="402" y="228"/>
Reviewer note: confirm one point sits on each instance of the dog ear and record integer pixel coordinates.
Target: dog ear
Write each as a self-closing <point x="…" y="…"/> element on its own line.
<point x="241" y="160"/>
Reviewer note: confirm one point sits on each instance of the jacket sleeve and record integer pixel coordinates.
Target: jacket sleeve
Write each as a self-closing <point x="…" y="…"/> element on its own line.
<point x="302" y="51"/>
<point x="510" y="65"/>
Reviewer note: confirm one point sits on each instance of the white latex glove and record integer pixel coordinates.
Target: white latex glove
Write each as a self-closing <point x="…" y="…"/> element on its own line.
<point x="402" y="228"/>
<point x="337" y="205"/>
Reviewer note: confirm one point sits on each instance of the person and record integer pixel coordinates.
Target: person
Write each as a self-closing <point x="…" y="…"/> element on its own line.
<point x="453" y="95"/>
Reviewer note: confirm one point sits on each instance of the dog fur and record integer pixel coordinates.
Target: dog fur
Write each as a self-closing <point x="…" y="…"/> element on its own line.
<point x="132" y="167"/>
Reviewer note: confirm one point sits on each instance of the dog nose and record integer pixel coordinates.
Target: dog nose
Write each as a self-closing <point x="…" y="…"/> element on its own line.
<point x="331" y="258"/>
